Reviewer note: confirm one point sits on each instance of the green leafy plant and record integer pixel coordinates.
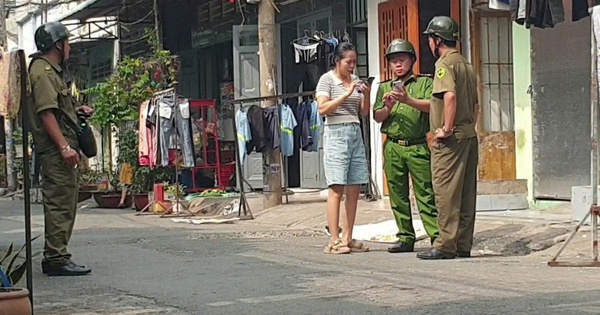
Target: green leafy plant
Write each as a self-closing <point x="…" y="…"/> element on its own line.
<point x="134" y="80"/>
<point x="175" y="190"/>
<point x="9" y="265"/>
<point x="128" y="146"/>
<point x="89" y="177"/>
<point x="142" y="180"/>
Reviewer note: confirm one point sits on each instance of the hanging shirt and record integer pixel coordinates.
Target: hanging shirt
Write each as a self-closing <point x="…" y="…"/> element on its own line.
<point x="243" y="133"/>
<point x="306" y="53"/>
<point x="303" y="119"/>
<point x="288" y="123"/>
<point x="257" y="127"/>
<point x="272" y="127"/>
<point x="316" y="123"/>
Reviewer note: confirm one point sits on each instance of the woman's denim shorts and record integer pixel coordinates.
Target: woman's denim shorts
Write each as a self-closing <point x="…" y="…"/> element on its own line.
<point x="344" y="157"/>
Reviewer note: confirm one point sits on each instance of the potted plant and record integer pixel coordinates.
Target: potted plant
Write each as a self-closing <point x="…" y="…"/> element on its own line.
<point x="13" y="300"/>
<point x="142" y="184"/>
<point x="88" y="183"/>
<point x="175" y="194"/>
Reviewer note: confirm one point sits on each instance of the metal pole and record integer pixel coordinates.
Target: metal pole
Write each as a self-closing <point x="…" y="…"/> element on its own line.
<point x="26" y="189"/>
<point x="595" y="121"/>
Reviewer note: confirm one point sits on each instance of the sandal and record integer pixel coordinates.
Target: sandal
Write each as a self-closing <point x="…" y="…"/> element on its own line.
<point x="357" y="246"/>
<point x="337" y="247"/>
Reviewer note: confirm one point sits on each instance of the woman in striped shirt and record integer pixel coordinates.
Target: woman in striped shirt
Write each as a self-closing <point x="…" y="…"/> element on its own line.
<point x="342" y="97"/>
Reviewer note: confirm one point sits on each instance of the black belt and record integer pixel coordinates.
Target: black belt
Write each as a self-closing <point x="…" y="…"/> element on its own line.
<point x="408" y="143"/>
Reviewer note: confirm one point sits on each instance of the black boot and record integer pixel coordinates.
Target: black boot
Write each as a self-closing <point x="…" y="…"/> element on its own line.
<point x="434" y="254"/>
<point x="64" y="269"/>
<point x="402" y="247"/>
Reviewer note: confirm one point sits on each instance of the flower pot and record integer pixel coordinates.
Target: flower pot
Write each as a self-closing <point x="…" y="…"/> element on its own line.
<point x="140" y="201"/>
<point x="84" y="195"/>
<point x="15" y="301"/>
<point x="110" y="200"/>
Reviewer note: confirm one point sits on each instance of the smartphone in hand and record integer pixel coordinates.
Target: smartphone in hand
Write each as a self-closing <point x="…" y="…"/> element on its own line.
<point x="398" y="86"/>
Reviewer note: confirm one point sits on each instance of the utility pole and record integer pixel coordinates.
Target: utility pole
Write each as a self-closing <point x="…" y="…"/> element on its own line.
<point x="267" y="51"/>
<point x="3" y="35"/>
<point x="11" y="175"/>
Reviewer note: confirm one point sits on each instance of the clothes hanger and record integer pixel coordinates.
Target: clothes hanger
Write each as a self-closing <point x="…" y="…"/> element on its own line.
<point x="316" y="36"/>
<point x="304" y="40"/>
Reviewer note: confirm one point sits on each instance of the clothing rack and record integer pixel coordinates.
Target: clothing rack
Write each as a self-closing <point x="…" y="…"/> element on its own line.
<point x="177" y="203"/>
<point x="280" y="96"/>
<point x="284" y="159"/>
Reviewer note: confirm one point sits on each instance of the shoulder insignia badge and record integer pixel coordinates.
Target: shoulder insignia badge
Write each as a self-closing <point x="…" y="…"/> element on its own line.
<point x="440" y="73"/>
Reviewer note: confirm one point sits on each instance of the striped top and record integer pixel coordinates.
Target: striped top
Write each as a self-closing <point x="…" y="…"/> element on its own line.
<point x="332" y="87"/>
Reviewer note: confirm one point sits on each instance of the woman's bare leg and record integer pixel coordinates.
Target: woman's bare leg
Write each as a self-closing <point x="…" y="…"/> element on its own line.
<point x="352" y="194"/>
<point x="336" y="192"/>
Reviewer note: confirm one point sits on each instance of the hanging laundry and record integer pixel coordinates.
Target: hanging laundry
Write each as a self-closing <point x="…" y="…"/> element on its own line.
<point x="579" y="10"/>
<point x="244" y="135"/>
<point x="288" y="123"/>
<point x="12" y="69"/>
<point x="501" y="5"/>
<point x="537" y="13"/>
<point x="257" y="127"/>
<point x="272" y="127"/>
<point x="143" y="136"/>
<point x="174" y="116"/>
<point x="306" y="53"/>
<point x="302" y="112"/>
<point x="316" y="123"/>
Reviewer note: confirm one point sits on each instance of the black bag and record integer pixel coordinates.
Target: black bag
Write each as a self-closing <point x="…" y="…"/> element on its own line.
<point x="86" y="139"/>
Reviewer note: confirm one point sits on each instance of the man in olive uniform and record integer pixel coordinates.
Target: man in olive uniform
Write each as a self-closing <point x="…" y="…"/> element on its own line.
<point x="403" y="112"/>
<point x="454" y="155"/>
<point x="53" y="118"/>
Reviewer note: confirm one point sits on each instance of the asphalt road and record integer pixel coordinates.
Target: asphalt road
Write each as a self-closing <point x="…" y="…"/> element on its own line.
<point x="144" y="267"/>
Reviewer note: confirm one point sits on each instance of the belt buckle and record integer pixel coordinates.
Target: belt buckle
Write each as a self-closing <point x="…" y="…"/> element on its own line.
<point x="402" y="142"/>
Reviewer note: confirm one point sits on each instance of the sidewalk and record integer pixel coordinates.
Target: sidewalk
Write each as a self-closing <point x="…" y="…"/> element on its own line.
<point x="307" y="210"/>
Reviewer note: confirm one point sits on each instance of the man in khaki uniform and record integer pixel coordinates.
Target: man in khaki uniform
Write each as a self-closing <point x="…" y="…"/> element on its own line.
<point x="454" y="155"/>
<point x="53" y="119"/>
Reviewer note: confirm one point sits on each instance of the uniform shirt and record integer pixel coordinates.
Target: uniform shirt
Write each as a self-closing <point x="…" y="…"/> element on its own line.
<point x="243" y="133"/>
<point x="288" y="123"/>
<point x="49" y="91"/>
<point x="316" y="123"/>
<point x="406" y="122"/>
<point x="453" y="73"/>
<point x="332" y="87"/>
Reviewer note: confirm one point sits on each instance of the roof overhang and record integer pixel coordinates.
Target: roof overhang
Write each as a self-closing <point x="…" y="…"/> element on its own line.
<point x="93" y="9"/>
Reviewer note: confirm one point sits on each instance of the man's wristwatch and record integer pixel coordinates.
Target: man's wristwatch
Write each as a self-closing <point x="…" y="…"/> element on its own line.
<point x="447" y="131"/>
<point x="65" y="148"/>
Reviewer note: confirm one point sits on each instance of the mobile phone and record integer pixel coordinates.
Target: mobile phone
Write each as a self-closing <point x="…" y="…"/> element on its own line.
<point x="398" y="85"/>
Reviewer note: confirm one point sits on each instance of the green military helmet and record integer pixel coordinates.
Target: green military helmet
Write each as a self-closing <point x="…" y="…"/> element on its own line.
<point x="400" y="46"/>
<point x="444" y="27"/>
<point x="49" y="34"/>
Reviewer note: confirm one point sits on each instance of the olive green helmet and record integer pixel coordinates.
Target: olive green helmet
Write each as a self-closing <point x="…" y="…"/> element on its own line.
<point x="443" y="27"/>
<point x="49" y="34"/>
<point x="400" y="46"/>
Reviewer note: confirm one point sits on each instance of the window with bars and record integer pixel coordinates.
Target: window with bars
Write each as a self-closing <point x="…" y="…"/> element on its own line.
<point x="101" y="70"/>
<point x="496" y="72"/>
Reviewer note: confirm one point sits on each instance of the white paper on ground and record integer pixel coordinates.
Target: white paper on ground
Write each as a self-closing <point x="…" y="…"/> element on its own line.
<point x="385" y="232"/>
